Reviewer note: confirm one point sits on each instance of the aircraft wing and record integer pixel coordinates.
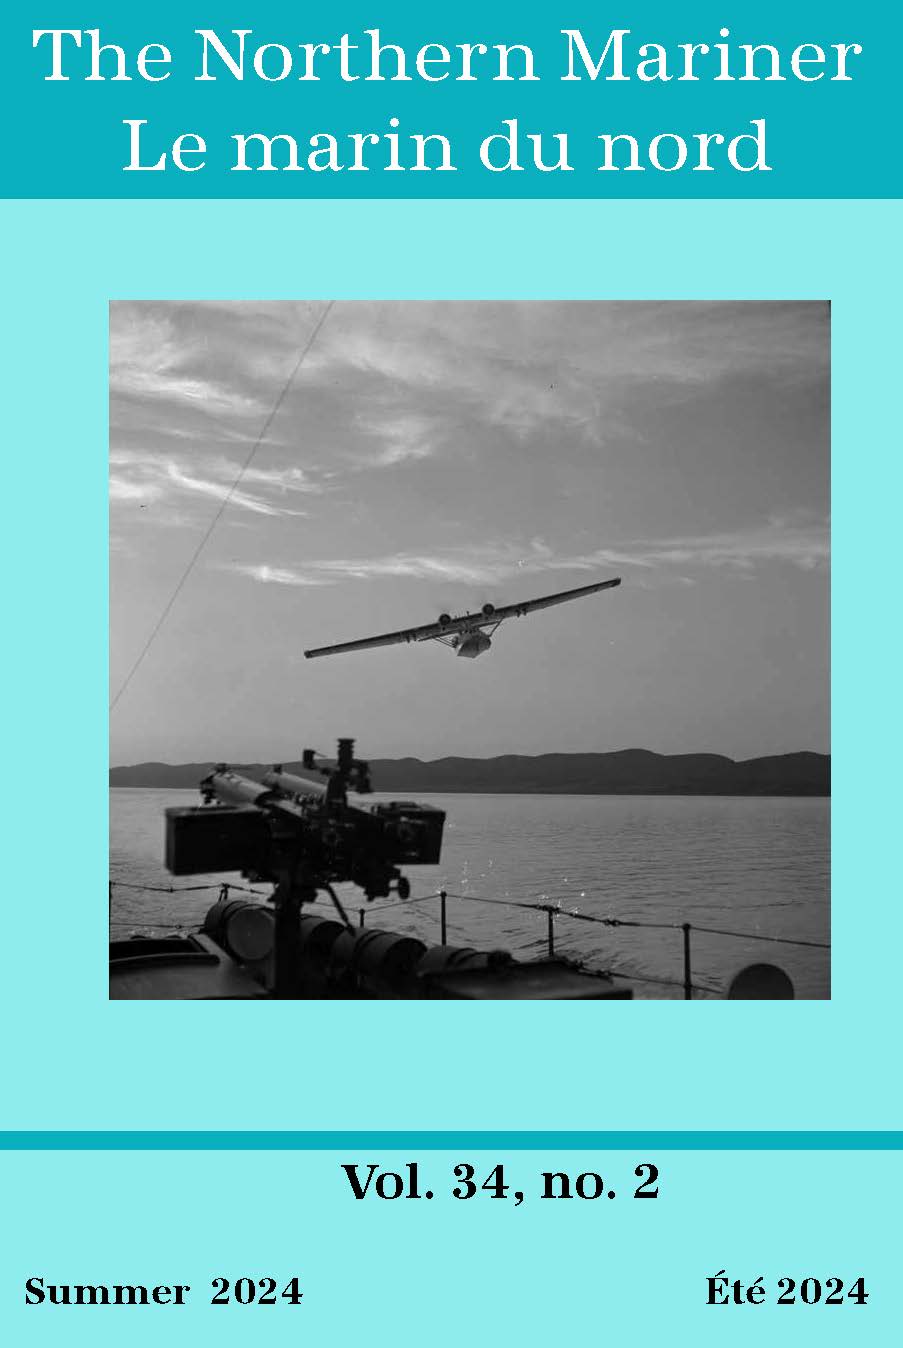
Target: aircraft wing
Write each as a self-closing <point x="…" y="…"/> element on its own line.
<point x="387" y="639"/>
<point x="547" y="601"/>
<point x="466" y="622"/>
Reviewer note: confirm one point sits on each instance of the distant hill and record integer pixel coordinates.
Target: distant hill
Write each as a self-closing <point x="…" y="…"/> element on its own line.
<point x="629" y="772"/>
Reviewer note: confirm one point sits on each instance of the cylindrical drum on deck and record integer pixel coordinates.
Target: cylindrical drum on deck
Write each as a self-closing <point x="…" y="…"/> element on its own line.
<point x="378" y="959"/>
<point x="244" y="930"/>
<point x="318" y="936"/>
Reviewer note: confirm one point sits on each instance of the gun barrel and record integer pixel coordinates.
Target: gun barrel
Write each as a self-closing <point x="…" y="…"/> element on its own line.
<point x="293" y="785"/>
<point x="232" y="788"/>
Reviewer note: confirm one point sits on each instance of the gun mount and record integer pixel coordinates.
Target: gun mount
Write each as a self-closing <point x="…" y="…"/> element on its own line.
<point x="303" y="836"/>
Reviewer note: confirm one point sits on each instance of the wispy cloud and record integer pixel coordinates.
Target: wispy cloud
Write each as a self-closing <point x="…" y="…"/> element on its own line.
<point x="150" y="360"/>
<point x="389" y="437"/>
<point x="140" y="477"/>
<point x="570" y="369"/>
<point x="220" y="491"/>
<point x="124" y="489"/>
<point x="804" y="546"/>
<point x="795" y="540"/>
<point x="273" y="575"/>
<point x="465" y="566"/>
<point x="419" y="382"/>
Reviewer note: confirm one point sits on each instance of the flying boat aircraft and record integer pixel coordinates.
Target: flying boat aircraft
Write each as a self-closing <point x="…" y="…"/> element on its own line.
<point x="469" y="635"/>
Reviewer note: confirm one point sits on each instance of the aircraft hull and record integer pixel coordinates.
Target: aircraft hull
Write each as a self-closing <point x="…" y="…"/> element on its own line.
<point x="473" y="644"/>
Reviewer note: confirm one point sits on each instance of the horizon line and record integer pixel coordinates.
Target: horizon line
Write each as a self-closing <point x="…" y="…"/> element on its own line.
<point x="490" y="758"/>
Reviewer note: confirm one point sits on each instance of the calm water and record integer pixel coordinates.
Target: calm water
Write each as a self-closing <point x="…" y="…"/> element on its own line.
<point x="750" y="865"/>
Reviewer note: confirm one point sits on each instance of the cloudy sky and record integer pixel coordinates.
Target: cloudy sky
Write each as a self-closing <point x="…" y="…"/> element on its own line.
<point x="430" y="457"/>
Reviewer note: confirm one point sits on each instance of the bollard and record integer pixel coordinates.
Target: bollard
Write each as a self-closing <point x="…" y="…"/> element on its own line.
<point x="361" y="918"/>
<point x="688" y="982"/>
<point x="442" y="925"/>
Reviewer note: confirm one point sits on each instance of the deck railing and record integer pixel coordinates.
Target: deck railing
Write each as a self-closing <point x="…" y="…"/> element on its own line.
<point x="553" y="911"/>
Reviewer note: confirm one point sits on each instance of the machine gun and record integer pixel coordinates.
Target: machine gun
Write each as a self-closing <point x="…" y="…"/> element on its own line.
<point x="302" y="836"/>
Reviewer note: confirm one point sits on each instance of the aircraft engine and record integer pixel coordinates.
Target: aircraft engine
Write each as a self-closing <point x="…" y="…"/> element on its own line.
<point x="488" y="610"/>
<point x="444" y="619"/>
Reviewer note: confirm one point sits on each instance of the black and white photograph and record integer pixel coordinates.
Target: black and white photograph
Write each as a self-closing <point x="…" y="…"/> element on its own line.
<point x="469" y="650"/>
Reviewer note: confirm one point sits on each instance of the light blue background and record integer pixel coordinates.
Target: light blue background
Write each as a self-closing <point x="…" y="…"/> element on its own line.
<point x="75" y="1060"/>
<point x="446" y="1272"/>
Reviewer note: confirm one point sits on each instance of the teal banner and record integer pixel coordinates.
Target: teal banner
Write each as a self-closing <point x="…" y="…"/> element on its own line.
<point x="395" y="100"/>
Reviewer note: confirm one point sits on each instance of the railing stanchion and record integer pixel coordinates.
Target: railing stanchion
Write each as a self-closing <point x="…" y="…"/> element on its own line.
<point x="442" y="924"/>
<point x="688" y="979"/>
<point x="551" y="915"/>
